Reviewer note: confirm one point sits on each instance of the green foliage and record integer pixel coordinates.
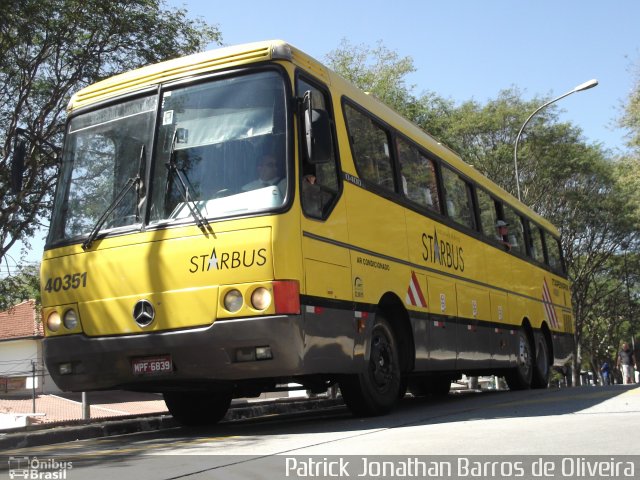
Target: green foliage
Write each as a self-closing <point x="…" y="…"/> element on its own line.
<point x="378" y="71"/>
<point x="631" y="116"/>
<point x="592" y="197"/>
<point x="24" y="285"/>
<point x="50" y="49"/>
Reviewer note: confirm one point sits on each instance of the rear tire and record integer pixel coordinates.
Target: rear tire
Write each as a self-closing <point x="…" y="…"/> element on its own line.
<point x="198" y="408"/>
<point x="541" y="366"/>
<point x="376" y="390"/>
<point x="520" y="377"/>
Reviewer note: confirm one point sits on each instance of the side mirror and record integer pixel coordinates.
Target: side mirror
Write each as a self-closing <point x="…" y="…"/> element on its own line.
<point x="317" y="128"/>
<point x="17" y="163"/>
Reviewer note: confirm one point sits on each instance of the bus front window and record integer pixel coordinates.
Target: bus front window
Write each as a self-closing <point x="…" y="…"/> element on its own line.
<point x="225" y="141"/>
<point x="102" y="152"/>
<point x="222" y="140"/>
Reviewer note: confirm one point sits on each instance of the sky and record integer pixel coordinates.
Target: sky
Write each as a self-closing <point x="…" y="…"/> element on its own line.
<point x="464" y="49"/>
<point x="461" y="49"/>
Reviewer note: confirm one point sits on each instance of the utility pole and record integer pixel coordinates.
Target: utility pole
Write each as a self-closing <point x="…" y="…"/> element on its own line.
<point x="86" y="407"/>
<point x="33" y="385"/>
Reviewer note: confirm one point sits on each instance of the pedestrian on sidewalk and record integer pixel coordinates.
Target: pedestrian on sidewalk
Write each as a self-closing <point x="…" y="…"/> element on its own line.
<point x="626" y="362"/>
<point x="606" y="373"/>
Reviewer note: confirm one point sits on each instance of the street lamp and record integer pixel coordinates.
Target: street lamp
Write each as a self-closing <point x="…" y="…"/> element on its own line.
<point x="579" y="88"/>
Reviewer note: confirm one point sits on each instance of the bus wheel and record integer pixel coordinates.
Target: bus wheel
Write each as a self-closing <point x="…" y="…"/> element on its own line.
<point x="541" y="369"/>
<point x="519" y="378"/>
<point x="377" y="389"/>
<point x="197" y="408"/>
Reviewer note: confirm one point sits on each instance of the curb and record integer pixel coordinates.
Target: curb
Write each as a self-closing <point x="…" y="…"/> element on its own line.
<point x="60" y="433"/>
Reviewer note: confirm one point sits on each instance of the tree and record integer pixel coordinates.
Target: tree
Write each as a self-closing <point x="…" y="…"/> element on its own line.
<point x="577" y="186"/>
<point x="631" y="116"/>
<point x="615" y="302"/>
<point x="48" y="50"/>
<point x="24" y="285"/>
<point x="592" y="197"/>
<point x="378" y="71"/>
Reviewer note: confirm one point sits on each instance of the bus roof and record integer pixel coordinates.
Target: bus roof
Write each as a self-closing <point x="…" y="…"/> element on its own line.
<point x="222" y="58"/>
<point x="151" y="75"/>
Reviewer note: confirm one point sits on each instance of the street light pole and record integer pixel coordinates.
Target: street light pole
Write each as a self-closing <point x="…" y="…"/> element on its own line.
<point x="579" y="88"/>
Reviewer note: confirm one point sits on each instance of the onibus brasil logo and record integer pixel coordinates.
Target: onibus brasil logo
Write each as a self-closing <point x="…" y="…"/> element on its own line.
<point x="38" y="469"/>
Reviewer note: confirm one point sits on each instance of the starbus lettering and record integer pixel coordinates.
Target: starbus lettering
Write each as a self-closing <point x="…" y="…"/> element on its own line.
<point x="228" y="260"/>
<point x="442" y="252"/>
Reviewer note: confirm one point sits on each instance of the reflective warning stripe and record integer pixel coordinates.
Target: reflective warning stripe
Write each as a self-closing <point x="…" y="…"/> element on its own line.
<point x="415" y="296"/>
<point x="548" y="305"/>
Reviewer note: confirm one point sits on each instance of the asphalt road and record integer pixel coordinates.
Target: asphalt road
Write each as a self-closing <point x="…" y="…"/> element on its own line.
<point x="512" y="430"/>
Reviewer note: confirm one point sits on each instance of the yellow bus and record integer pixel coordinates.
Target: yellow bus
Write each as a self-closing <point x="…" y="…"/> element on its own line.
<point x="242" y="218"/>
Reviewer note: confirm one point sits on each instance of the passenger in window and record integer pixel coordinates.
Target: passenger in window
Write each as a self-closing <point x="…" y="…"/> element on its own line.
<point x="268" y="175"/>
<point x="311" y="195"/>
<point x="502" y="234"/>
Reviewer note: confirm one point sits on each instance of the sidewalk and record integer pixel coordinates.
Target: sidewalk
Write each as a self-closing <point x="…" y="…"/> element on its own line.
<point x="150" y="415"/>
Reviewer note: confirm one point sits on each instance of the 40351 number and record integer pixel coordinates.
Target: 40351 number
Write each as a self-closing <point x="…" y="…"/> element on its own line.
<point x="68" y="282"/>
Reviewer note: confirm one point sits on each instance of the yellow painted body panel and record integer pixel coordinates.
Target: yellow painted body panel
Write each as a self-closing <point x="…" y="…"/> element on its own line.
<point x="442" y="296"/>
<point x="326" y="280"/>
<point x="177" y="270"/>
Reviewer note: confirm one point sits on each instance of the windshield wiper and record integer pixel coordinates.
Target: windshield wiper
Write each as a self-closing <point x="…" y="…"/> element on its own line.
<point x="201" y="221"/>
<point x="130" y="183"/>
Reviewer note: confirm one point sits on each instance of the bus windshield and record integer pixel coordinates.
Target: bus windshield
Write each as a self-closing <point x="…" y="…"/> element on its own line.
<point x="219" y="144"/>
<point x="226" y="140"/>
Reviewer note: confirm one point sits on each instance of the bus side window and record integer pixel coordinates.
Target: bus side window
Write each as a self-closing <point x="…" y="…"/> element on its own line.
<point x="370" y="147"/>
<point x="418" y="176"/>
<point x="535" y="243"/>
<point x="554" y="259"/>
<point x="488" y="214"/>
<point x="319" y="186"/>
<point x="457" y="193"/>
<point x="516" y="230"/>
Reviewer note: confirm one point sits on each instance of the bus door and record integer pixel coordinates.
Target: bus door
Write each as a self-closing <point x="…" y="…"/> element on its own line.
<point x="327" y="271"/>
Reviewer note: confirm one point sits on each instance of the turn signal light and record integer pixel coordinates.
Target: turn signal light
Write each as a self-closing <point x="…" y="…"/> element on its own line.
<point x="286" y="295"/>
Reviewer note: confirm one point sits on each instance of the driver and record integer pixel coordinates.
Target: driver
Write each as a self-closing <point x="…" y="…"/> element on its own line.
<point x="268" y="175"/>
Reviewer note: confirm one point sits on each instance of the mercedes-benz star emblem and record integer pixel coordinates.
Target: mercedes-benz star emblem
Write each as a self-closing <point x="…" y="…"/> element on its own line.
<point x="143" y="313"/>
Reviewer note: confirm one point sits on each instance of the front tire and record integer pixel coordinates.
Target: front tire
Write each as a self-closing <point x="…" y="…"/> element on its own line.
<point x="198" y="408"/>
<point x="520" y="377"/>
<point x="376" y="390"/>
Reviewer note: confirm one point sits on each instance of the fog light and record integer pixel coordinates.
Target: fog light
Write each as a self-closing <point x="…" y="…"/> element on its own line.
<point x="70" y="319"/>
<point x="54" y="322"/>
<point x="261" y="298"/>
<point x="233" y="301"/>
<point x="65" y="368"/>
<point x="263" y="353"/>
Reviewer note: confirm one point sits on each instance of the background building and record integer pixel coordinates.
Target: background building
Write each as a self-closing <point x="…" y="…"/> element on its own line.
<point x="21" y="359"/>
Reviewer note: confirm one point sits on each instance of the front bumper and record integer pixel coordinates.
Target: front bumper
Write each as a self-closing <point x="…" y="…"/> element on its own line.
<point x="200" y="356"/>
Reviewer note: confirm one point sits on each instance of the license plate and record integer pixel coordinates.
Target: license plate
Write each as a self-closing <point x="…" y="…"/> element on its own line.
<point x="151" y="365"/>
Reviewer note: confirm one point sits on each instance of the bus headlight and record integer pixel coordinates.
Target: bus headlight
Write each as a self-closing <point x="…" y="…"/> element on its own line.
<point x="70" y="319"/>
<point x="233" y="301"/>
<point x="54" y="322"/>
<point x="261" y="298"/>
